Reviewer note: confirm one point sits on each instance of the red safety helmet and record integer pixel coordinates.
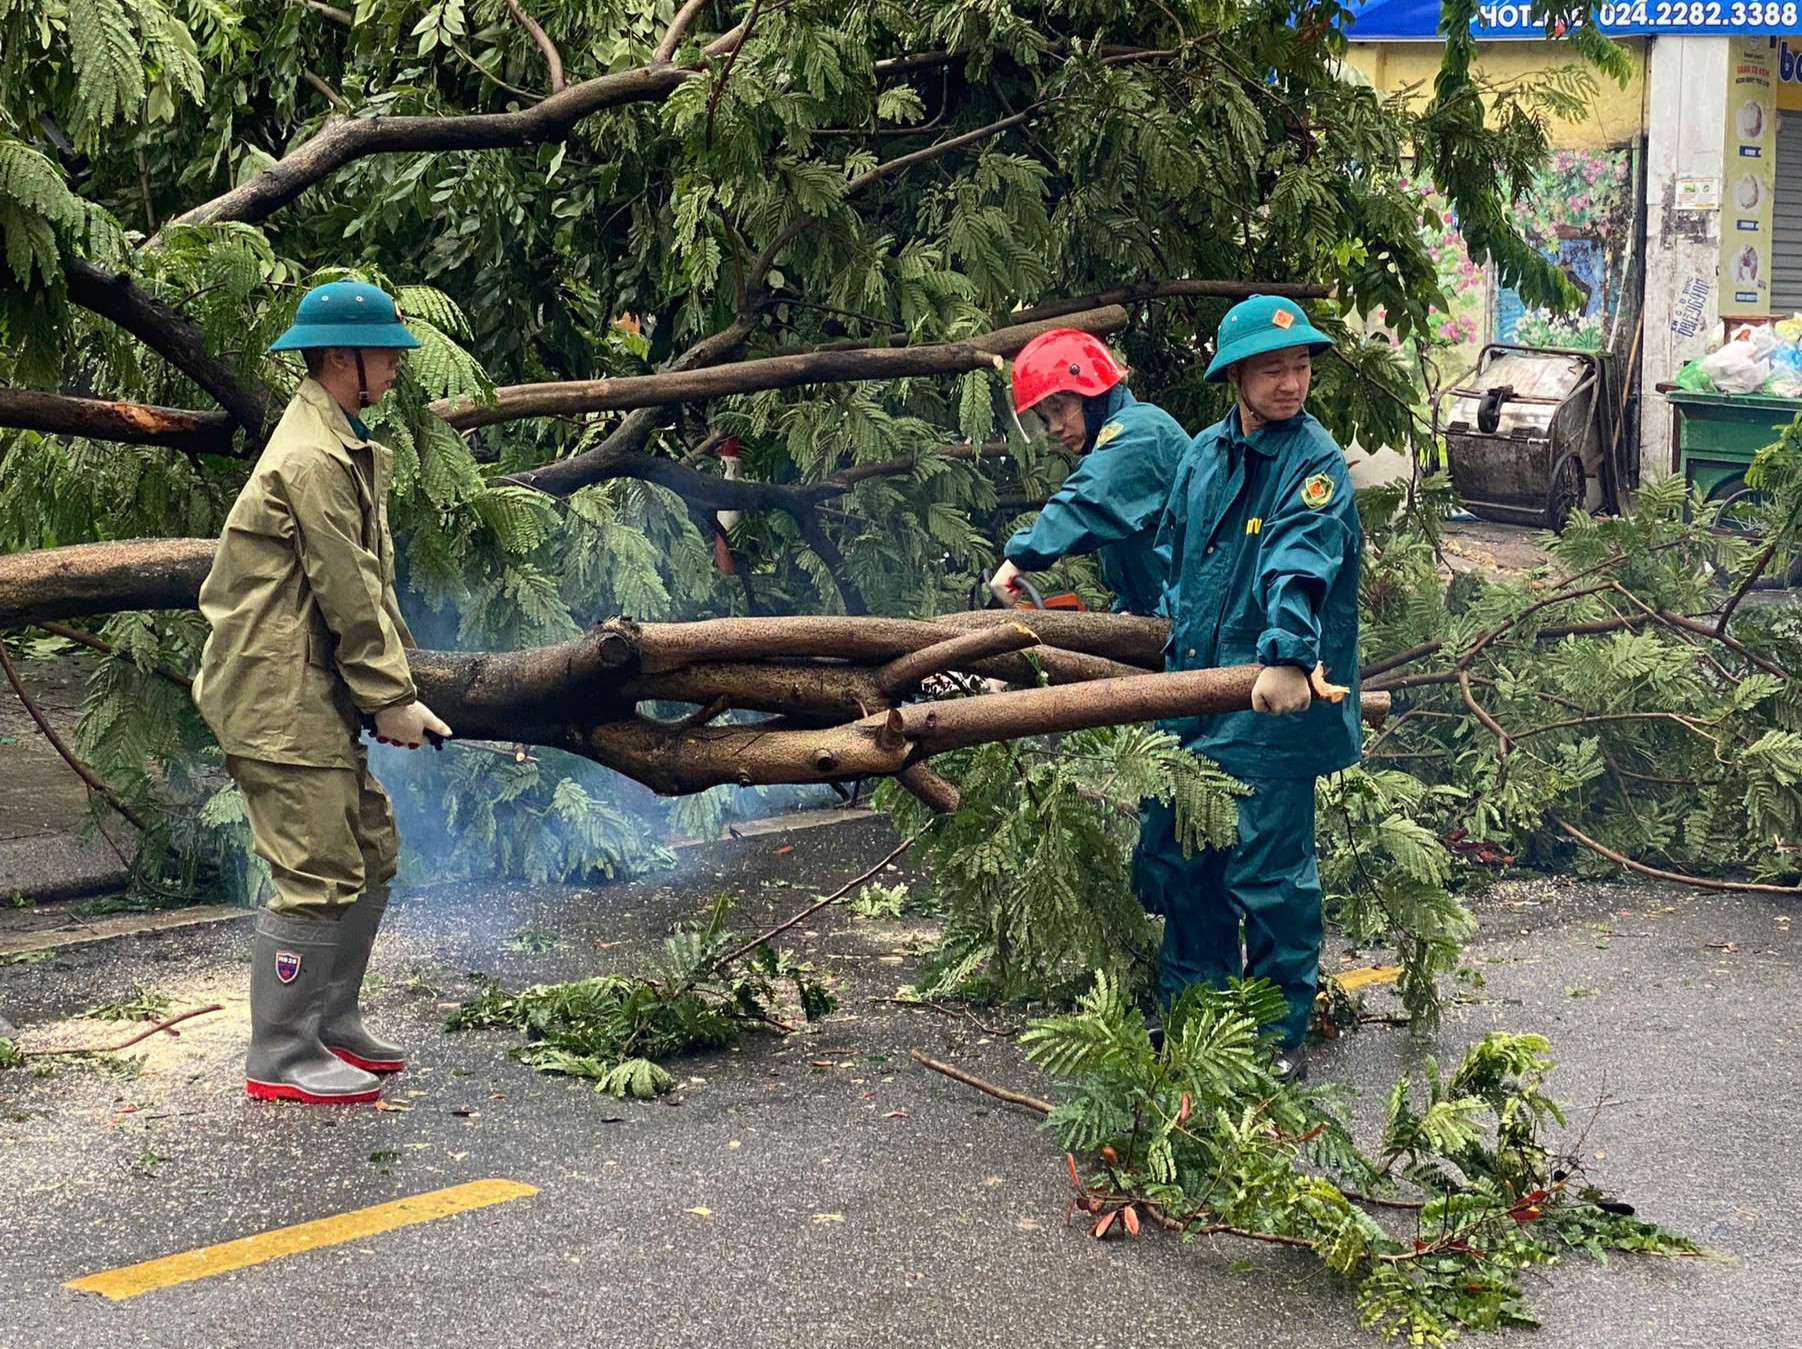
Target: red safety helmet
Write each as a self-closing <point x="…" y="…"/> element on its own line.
<point x="1063" y="361"/>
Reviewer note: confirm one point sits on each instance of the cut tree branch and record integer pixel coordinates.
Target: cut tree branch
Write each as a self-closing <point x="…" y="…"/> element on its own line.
<point x="102" y="578"/>
<point x="1032" y="1103"/>
<point x="884" y="745"/>
<point x="106" y="578"/>
<point x="906" y="672"/>
<point x="1172" y="290"/>
<point x="128" y="423"/>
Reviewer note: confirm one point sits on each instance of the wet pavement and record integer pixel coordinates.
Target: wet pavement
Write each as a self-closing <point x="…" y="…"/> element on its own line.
<point x="824" y="1190"/>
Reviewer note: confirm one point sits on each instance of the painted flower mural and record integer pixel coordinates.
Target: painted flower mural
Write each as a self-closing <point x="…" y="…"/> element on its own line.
<point x="1579" y="215"/>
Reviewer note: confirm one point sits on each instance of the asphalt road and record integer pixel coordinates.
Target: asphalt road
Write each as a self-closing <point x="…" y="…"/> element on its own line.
<point x="824" y="1190"/>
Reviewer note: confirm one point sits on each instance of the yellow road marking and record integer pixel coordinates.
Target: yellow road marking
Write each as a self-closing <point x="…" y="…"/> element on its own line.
<point x="119" y="1284"/>
<point x="1370" y="974"/>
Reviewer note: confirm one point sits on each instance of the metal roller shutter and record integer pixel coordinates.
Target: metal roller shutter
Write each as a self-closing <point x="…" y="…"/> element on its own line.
<point x="1786" y="217"/>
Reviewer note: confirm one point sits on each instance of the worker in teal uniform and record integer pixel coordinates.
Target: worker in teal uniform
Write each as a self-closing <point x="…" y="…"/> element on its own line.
<point x="1112" y="501"/>
<point x="1263" y="541"/>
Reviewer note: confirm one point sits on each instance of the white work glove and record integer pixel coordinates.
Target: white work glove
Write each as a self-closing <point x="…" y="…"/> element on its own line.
<point x="408" y="725"/>
<point x="1281" y="689"/>
<point x="1002" y="583"/>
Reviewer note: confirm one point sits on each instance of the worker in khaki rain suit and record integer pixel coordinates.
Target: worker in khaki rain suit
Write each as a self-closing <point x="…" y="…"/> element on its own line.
<point x="306" y="641"/>
<point x="1263" y="541"/>
<point x="1113" y="500"/>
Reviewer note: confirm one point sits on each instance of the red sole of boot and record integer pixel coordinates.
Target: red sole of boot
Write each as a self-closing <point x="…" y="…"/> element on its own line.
<point x="370" y="1065"/>
<point x="281" y="1091"/>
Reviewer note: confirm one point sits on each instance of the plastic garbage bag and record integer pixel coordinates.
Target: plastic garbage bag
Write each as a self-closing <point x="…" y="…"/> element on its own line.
<point x="1764" y="339"/>
<point x="1737" y="368"/>
<point x="1691" y="379"/>
<point x="1786" y="373"/>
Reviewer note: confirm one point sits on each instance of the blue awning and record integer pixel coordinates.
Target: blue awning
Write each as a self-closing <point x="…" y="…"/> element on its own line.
<point x="1418" y="20"/>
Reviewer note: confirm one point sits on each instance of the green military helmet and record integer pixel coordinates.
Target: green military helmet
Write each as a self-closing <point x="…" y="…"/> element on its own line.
<point x="345" y="314"/>
<point x="1262" y="323"/>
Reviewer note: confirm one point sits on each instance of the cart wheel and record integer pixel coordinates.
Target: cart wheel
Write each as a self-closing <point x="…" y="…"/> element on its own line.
<point x="1567" y="491"/>
<point x="1737" y="501"/>
<point x="1736" y="507"/>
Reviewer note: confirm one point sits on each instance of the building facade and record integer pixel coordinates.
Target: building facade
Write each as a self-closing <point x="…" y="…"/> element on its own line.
<point x="1674" y="204"/>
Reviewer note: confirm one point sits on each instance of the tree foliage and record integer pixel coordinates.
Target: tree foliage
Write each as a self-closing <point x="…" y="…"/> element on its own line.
<point x="1198" y="1135"/>
<point x="1034" y="866"/>
<point x="618" y="1030"/>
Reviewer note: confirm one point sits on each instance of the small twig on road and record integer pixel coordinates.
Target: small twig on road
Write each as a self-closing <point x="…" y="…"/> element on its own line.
<point x="988" y="1088"/>
<point x="814" y="908"/>
<point x="144" y="1034"/>
<point x="962" y="1012"/>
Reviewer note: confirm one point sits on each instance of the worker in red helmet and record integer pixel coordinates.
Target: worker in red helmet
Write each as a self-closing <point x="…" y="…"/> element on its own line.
<point x="1112" y="501"/>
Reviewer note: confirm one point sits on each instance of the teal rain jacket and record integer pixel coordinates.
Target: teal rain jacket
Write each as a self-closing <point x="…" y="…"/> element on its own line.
<point x="1111" y="503"/>
<point x="1263" y="539"/>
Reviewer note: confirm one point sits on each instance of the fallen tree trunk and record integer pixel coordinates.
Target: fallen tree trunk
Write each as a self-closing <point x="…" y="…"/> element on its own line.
<point x="839" y="688"/>
<point x="95" y="579"/>
<point x="91" y="579"/>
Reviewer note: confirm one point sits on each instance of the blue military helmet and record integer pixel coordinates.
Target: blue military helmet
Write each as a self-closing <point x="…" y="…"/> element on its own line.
<point x="345" y="314"/>
<point x="1262" y="323"/>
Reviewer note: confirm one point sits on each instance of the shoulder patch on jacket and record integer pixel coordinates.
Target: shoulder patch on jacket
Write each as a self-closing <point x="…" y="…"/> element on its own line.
<point x="1109" y="429"/>
<point x="1317" y="491"/>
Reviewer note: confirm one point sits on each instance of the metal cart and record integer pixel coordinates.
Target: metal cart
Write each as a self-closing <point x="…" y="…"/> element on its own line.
<point x="1526" y="435"/>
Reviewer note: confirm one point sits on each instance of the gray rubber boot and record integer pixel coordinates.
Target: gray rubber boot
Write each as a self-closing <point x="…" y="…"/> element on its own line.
<point x="341" y="1029"/>
<point x="291" y="964"/>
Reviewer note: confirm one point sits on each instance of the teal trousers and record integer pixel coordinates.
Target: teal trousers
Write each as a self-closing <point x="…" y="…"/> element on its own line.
<point x="1267" y="884"/>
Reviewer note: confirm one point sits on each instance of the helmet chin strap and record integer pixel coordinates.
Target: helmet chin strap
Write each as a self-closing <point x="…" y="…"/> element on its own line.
<point x="362" y="379"/>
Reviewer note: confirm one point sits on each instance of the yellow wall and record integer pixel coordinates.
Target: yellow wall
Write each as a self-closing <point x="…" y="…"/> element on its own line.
<point x="1616" y="110"/>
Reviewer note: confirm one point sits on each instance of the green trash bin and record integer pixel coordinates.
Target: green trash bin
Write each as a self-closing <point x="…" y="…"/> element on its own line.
<point x="1717" y="434"/>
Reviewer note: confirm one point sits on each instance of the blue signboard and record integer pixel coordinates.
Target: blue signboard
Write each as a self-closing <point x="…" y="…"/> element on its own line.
<point x="1418" y="20"/>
